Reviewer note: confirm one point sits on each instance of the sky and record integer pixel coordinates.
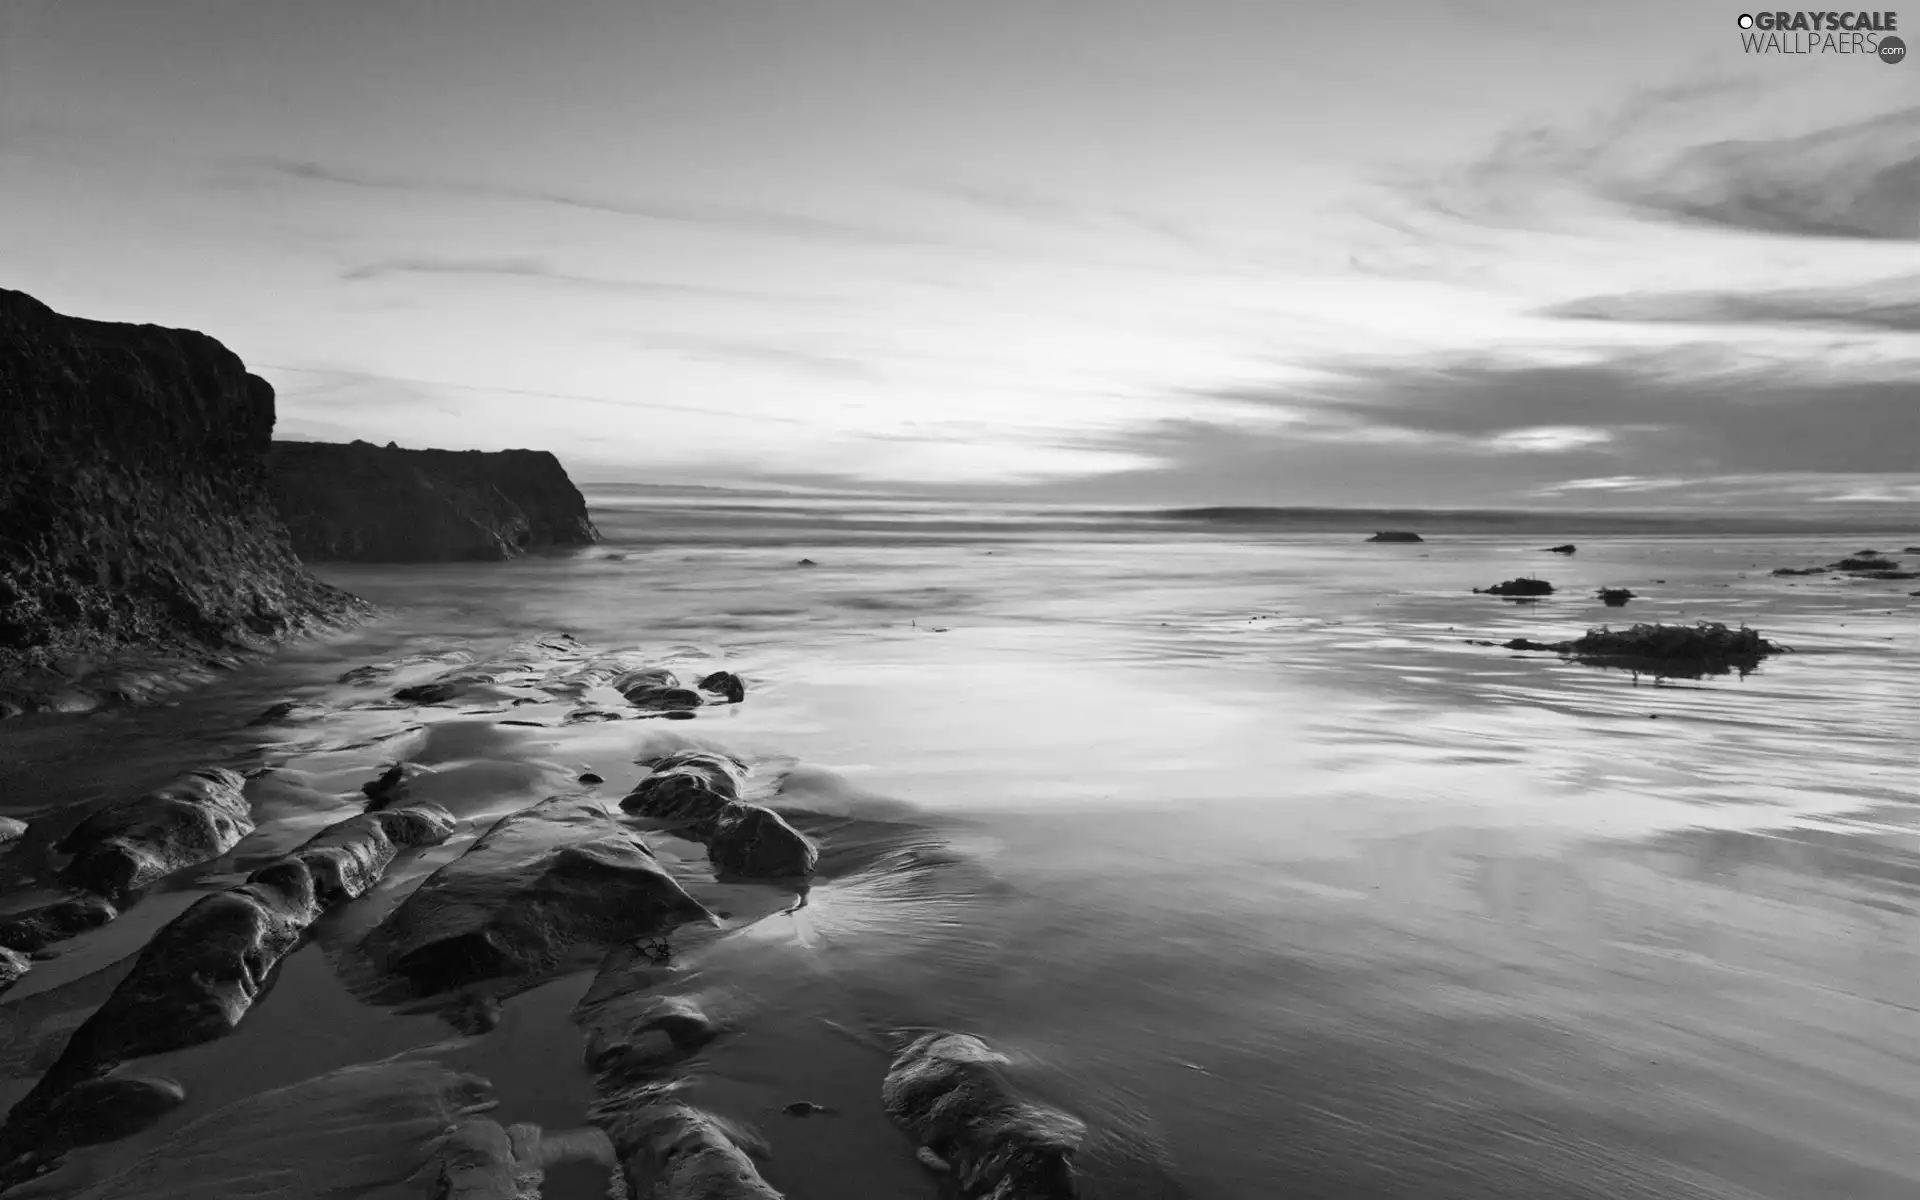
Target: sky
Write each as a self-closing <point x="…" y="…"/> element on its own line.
<point x="1380" y="252"/>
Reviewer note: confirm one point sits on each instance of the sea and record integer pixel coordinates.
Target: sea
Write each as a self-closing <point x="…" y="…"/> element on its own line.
<point x="1242" y="837"/>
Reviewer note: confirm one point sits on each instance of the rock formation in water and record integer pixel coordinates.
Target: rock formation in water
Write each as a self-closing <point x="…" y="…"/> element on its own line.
<point x="137" y="540"/>
<point x="699" y="793"/>
<point x="1394" y="535"/>
<point x="1518" y="587"/>
<point x="950" y="1092"/>
<point x="365" y="503"/>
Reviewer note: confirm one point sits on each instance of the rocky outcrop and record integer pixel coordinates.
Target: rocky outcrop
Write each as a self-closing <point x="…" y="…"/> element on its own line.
<point x="126" y="846"/>
<point x="669" y="1150"/>
<point x="537" y="885"/>
<point x="137" y="540"/>
<point x="699" y="793"/>
<point x="202" y="972"/>
<point x="950" y="1092"/>
<point x="364" y="503"/>
<point x="1518" y="587"/>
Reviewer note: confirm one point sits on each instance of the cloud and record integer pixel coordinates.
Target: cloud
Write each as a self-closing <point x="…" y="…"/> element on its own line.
<point x="1852" y="178"/>
<point x="744" y="352"/>
<point x="539" y="272"/>
<point x="699" y="213"/>
<point x="1891" y="306"/>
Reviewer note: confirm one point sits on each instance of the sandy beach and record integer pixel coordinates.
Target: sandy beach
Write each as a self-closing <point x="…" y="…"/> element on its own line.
<point x="1234" y="843"/>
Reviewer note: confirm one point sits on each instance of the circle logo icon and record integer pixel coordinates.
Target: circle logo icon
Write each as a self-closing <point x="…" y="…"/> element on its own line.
<point x="1746" y="21"/>
<point x="1892" y="50"/>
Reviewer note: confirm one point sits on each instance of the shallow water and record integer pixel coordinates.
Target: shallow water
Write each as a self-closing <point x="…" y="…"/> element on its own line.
<point x="1231" y="839"/>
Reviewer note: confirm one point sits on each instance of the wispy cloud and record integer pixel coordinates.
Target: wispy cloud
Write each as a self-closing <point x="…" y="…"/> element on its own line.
<point x="1853" y="178"/>
<point x="539" y="272"/>
<point x="681" y="211"/>
<point x="1892" y="306"/>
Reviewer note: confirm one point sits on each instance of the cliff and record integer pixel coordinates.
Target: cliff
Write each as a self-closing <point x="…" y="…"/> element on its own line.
<point x="135" y="524"/>
<point x="367" y="503"/>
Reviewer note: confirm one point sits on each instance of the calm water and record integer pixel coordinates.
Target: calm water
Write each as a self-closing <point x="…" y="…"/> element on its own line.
<point x="1249" y="858"/>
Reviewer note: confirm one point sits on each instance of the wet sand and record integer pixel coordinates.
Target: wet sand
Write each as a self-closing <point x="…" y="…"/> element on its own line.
<point x="1238" y="847"/>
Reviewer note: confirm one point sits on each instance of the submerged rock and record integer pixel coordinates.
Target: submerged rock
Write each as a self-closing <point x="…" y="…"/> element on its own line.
<point x="1568" y="548"/>
<point x="537" y="885"/>
<point x="698" y="792"/>
<point x="381" y="1131"/>
<point x="950" y="1092"/>
<point x="1394" y="535"/>
<point x="394" y="784"/>
<point x="126" y="846"/>
<point x="727" y="684"/>
<point x="106" y="1110"/>
<point x="672" y="1151"/>
<point x="1518" y="587"/>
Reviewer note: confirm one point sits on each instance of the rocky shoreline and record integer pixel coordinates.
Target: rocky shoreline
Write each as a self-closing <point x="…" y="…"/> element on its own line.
<point x="523" y="893"/>
<point x="139" y="551"/>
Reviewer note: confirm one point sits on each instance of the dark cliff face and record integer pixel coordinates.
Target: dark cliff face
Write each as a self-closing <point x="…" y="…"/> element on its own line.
<point x="134" y="515"/>
<point x="367" y="503"/>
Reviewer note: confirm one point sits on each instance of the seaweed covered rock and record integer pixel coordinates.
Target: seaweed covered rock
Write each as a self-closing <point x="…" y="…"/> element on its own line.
<point x="1666" y="651"/>
<point x="137" y="539"/>
<point x="1393" y="535"/>
<point x="360" y="502"/>
<point x="536" y="886"/>
<point x="669" y="1150"/>
<point x="698" y="793"/>
<point x="1518" y="587"/>
<point x="128" y="845"/>
<point x="951" y="1094"/>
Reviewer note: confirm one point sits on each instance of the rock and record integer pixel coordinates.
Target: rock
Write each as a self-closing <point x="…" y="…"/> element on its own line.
<point x="1565" y="549"/>
<point x="126" y="846"/>
<point x="672" y="1151"/>
<point x="804" y="1108"/>
<point x="538" y="884"/>
<point x="727" y="684"/>
<point x="108" y="1109"/>
<point x="11" y="830"/>
<point x="581" y="716"/>
<point x="1392" y="535"/>
<point x="950" y="1092"/>
<point x="697" y="792"/>
<point x="1911" y="550"/>
<point x="1518" y="587"/>
<point x="630" y="1031"/>
<point x="13" y="967"/>
<point x="346" y="860"/>
<point x="194" y="982"/>
<point x="394" y="784"/>
<point x="136" y="534"/>
<point x="807" y="562"/>
<point x="379" y="1132"/>
<point x="480" y="1160"/>
<point x="377" y="672"/>
<point x="1615" y="597"/>
<point x="430" y="693"/>
<point x="275" y="714"/>
<point x="364" y="503"/>
<point x="656" y="688"/>
<point x="589" y="778"/>
<point x="39" y="928"/>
